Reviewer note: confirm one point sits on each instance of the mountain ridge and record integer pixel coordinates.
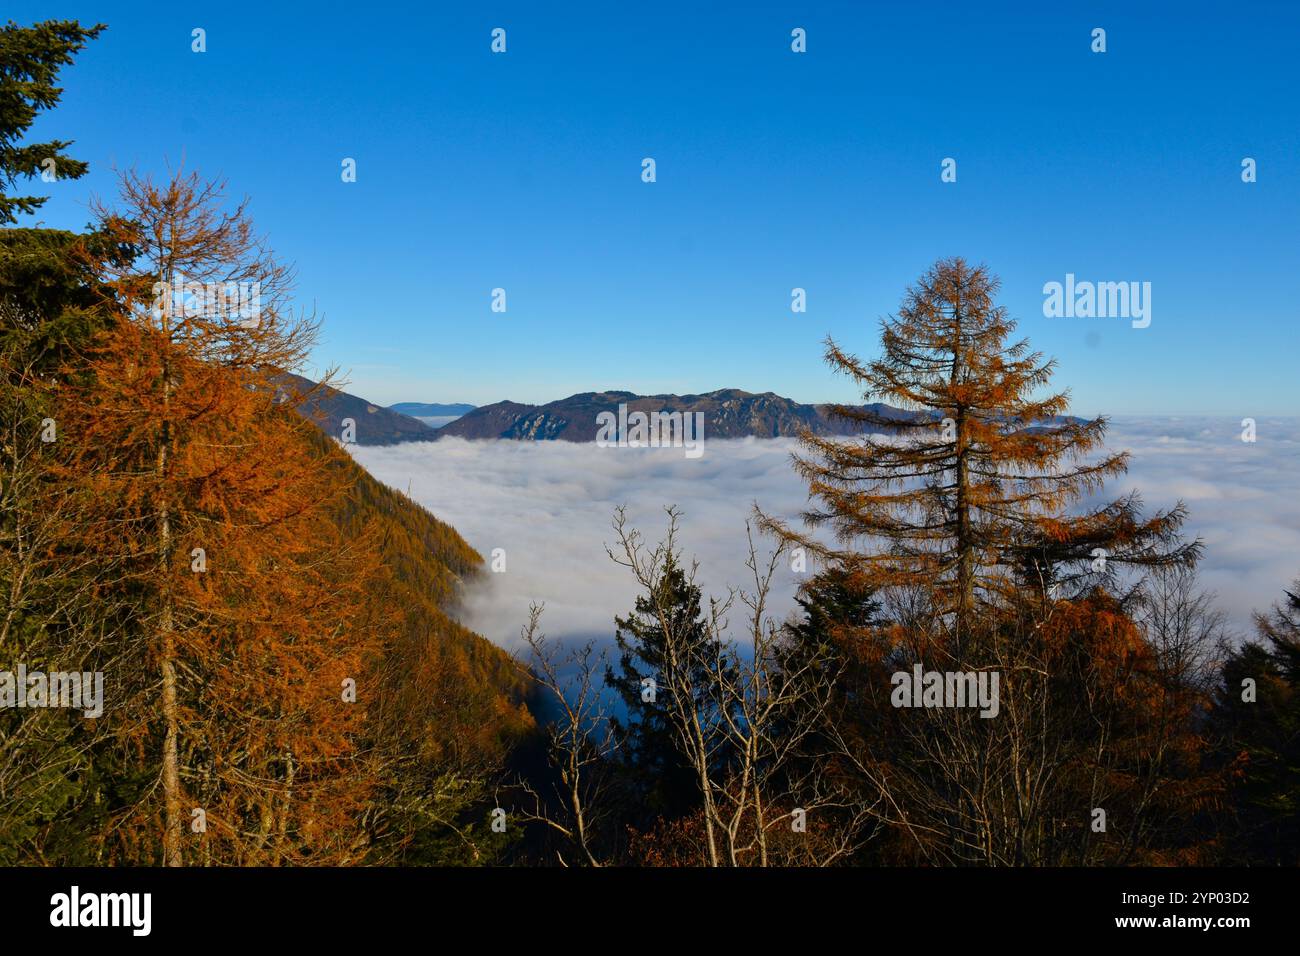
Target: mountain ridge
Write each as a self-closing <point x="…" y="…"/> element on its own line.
<point x="728" y="413"/>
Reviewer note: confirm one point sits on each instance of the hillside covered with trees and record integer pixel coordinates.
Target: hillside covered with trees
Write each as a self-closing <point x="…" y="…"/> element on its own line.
<point x="282" y="680"/>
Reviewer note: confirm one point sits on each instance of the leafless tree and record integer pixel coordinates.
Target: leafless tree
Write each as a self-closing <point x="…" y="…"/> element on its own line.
<point x="742" y="732"/>
<point x="579" y="746"/>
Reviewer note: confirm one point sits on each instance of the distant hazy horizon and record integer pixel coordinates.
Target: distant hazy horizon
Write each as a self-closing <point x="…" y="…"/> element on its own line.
<point x="1074" y="410"/>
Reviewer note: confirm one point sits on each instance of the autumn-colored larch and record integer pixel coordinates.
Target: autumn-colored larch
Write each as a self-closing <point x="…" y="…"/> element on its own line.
<point x="204" y="488"/>
<point x="968" y="494"/>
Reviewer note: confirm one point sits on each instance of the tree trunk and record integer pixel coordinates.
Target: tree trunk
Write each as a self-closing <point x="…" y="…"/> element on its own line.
<point x="171" y="781"/>
<point x="964" y="545"/>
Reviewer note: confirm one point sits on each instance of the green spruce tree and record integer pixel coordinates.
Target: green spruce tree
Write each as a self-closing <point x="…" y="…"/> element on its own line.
<point x="661" y="780"/>
<point x="1257" y="716"/>
<point x="30" y="60"/>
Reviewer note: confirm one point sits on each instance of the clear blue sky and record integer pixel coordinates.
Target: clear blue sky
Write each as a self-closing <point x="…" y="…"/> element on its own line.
<point x="775" y="170"/>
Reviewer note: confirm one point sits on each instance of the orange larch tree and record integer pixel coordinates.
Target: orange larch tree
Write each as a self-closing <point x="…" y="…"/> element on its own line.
<point x="967" y="496"/>
<point x="202" y="485"/>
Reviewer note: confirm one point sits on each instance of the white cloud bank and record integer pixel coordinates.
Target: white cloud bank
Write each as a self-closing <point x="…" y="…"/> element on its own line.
<point x="549" y="505"/>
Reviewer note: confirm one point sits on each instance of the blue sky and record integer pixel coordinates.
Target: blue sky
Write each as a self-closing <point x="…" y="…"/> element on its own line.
<point x="775" y="170"/>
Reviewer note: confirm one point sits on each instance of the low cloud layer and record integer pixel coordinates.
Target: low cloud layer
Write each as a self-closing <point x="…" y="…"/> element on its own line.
<point x="549" y="505"/>
<point x="1243" y="498"/>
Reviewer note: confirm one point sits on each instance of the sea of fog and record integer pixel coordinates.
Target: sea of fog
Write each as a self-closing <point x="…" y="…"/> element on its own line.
<point x="549" y="505"/>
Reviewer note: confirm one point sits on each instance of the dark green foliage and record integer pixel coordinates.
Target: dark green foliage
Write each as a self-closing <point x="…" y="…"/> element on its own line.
<point x="30" y="60"/>
<point x="830" y="605"/>
<point x="656" y="772"/>
<point x="1259" y="741"/>
<point x="50" y="303"/>
<point x="831" y="635"/>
